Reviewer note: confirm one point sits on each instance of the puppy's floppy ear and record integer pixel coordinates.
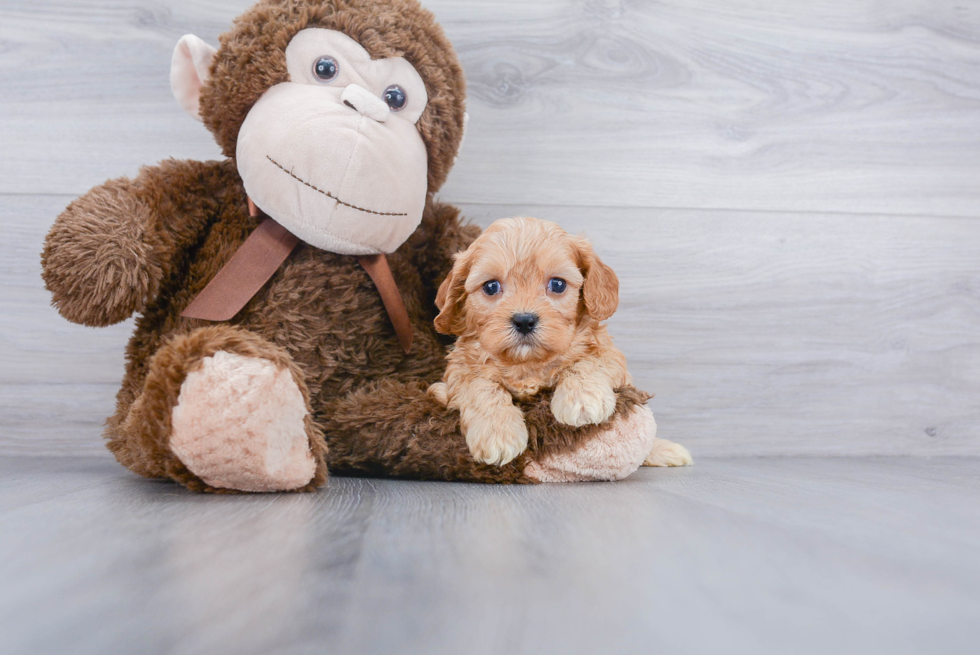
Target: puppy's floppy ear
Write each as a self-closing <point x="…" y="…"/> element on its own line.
<point x="600" y="291"/>
<point x="452" y="295"/>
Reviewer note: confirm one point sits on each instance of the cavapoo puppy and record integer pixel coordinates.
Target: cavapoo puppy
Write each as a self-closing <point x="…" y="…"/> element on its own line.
<point x="526" y="301"/>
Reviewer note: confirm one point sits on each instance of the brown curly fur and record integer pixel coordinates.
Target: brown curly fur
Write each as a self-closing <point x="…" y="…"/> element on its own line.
<point x="150" y="245"/>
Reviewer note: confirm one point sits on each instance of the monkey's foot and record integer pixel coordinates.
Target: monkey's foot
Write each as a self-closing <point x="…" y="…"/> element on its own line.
<point x="240" y="423"/>
<point x="612" y="454"/>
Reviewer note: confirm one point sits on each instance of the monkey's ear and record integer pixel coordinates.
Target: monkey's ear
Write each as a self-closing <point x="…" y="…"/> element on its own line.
<point x="451" y="296"/>
<point x="190" y="69"/>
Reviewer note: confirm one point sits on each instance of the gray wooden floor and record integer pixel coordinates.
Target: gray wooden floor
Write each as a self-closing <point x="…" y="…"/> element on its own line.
<point x="752" y="555"/>
<point x="790" y="193"/>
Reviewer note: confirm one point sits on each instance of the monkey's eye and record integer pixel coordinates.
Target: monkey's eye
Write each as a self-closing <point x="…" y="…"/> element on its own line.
<point x="491" y="288"/>
<point x="395" y="97"/>
<point x="326" y="68"/>
<point x="556" y="285"/>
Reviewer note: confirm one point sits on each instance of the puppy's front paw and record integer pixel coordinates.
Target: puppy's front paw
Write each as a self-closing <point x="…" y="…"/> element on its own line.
<point x="668" y="453"/>
<point x="497" y="438"/>
<point x="579" y="402"/>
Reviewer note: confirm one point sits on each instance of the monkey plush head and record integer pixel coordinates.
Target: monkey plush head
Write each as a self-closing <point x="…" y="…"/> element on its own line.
<point x="341" y="115"/>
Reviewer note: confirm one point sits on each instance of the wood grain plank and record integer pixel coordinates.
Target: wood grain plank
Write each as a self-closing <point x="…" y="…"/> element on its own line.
<point x="769" y="555"/>
<point x="760" y="333"/>
<point x="821" y="106"/>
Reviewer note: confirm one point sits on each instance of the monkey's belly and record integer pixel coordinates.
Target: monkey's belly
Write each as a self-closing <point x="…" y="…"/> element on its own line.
<point x="325" y="311"/>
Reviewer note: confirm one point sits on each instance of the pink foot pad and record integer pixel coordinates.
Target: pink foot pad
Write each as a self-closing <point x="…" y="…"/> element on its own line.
<point x="239" y="424"/>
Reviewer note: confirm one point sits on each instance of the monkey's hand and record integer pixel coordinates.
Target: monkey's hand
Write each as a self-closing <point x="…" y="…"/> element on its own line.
<point x="99" y="259"/>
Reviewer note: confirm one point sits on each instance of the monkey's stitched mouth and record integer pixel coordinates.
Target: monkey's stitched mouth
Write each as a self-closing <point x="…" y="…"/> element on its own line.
<point x="330" y="195"/>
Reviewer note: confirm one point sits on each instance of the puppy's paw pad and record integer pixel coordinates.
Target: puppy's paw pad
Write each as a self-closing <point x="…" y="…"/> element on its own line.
<point x="497" y="440"/>
<point x="668" y="453"/>
<point x="583" y="404"/>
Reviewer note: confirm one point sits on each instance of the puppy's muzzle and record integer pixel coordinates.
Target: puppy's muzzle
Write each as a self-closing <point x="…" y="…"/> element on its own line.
<point x="524" y="323"/>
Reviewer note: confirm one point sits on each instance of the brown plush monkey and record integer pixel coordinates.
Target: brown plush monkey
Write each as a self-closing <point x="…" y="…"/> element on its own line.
<point x="340" y="119"/>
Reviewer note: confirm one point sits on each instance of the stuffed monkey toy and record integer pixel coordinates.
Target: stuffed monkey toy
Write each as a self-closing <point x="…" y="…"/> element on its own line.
<point x="285" y="295"/>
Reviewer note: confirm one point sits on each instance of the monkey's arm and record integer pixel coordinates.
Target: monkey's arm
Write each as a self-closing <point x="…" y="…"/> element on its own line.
<point x="108" y="252"/>
<point x="396" y="429"/>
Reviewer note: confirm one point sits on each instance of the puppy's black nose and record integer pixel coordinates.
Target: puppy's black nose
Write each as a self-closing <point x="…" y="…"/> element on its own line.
<point x="525" y="323"/>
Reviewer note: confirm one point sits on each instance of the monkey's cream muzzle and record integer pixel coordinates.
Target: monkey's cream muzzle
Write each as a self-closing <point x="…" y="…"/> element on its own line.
<point x="331" y="174"/>
<point x="330" y="160"/>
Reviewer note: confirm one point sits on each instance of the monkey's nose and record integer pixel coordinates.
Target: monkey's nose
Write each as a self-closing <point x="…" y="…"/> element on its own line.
<point x="525" y="323"/>
<point x="365" y="103"/>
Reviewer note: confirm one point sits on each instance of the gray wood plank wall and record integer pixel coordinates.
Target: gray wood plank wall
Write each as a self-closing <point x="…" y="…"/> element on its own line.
<point x="789" y="191"/>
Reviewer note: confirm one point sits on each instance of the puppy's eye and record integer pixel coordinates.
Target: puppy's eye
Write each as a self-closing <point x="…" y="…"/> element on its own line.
<point x="491" y="288"/>
<point x="326" y="68"/>
<point x="556" y="285"/>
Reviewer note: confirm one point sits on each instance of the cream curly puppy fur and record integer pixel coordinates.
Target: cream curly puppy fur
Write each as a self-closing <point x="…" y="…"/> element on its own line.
<point x="526" y="301"/>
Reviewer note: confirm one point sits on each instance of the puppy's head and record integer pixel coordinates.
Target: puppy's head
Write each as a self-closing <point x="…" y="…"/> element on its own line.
<point x="524" y="289"/>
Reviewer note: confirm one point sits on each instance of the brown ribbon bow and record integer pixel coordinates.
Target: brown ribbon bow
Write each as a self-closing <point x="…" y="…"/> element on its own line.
<point x="257" y="260"/>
